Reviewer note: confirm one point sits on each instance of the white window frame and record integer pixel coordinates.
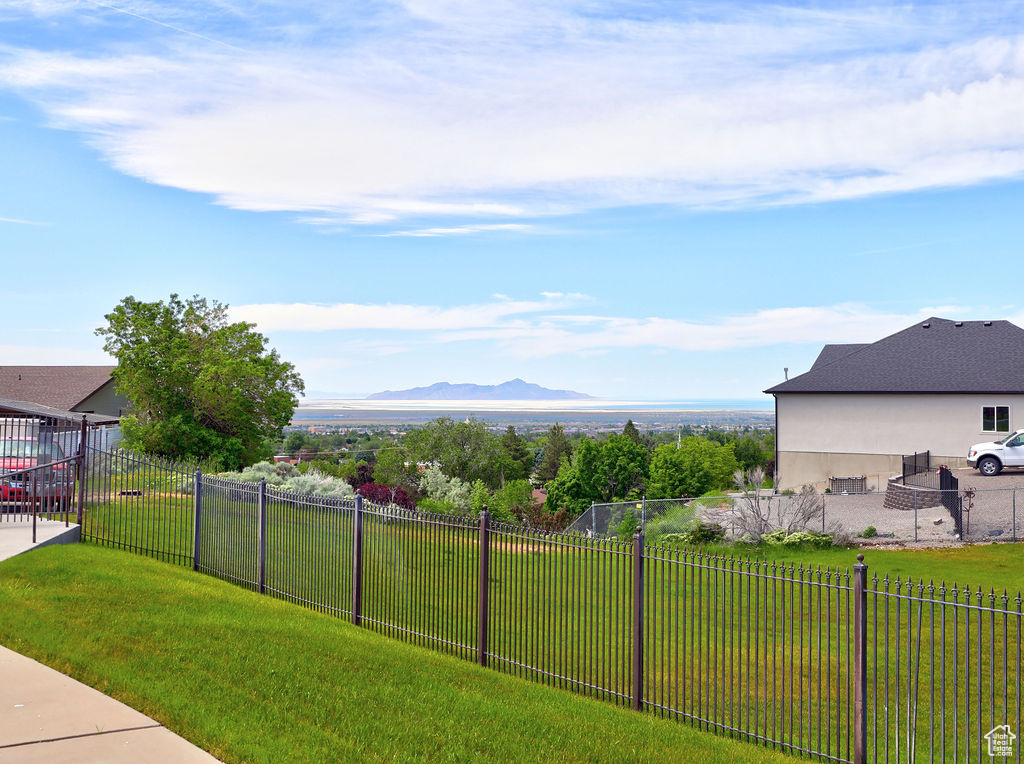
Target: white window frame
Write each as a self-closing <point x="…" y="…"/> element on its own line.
<point x="995" y="418"/>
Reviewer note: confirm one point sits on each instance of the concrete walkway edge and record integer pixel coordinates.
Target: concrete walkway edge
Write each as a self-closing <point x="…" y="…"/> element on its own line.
<point x="46" y="716"/>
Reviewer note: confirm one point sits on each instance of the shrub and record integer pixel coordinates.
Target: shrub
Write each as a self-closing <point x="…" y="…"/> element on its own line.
<point x="314" y="483"/>
<point x="868" y="533"/>
<point x="379" y="493"/>
<point x="699" y="534"/>
<point x="797" y="539"/>
<point x="436" y="507"/>
<point x="627" y="527"/>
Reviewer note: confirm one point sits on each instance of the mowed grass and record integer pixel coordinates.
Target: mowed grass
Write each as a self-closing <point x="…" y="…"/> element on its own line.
<point x="251" y="678"/>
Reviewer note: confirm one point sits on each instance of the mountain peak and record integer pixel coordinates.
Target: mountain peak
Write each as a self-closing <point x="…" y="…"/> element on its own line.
<point x="513" y="390"/>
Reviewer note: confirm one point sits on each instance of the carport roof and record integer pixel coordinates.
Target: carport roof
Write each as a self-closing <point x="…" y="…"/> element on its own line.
<point x="26" y="408"/>
<point x="936" y="355"/>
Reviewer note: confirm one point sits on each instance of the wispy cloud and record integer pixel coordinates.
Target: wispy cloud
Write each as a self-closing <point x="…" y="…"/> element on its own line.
<point x="20" y="221"/>
<point x="395" y="317"/>
<point x="554" y="325"/>
<point x="462" y="230"/>
<point x="449" y="112"/>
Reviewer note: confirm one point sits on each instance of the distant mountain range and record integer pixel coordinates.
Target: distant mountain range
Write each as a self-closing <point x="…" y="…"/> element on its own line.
<point x="513" y="390"/>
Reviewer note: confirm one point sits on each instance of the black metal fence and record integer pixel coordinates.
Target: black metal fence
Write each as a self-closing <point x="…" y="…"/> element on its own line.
<point x="824" y="663"/>
<point x="916" y="464"/>
<point x="952" y="500"/>
<point x="40" y="466"/>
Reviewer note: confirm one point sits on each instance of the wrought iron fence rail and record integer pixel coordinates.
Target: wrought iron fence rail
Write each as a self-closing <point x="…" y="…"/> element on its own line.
<point x="818" y="662"/>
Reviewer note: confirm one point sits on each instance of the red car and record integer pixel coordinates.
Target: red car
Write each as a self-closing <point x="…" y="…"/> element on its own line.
<point x="55" y="484"/>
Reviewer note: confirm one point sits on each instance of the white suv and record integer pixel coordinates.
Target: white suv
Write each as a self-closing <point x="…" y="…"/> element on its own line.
<point x="990" y="458"/>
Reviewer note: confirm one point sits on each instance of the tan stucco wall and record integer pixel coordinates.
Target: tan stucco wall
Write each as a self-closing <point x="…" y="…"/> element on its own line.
<point x="824" y="435"/>
<point x="798" y="468"/>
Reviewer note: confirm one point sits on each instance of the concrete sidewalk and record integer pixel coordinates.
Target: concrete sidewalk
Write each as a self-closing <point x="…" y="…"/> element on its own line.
<point x="46" y="716"/>
<point x="16" y="535"/>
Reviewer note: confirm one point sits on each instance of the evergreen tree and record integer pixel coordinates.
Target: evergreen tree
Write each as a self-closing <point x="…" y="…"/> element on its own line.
<point x="632" y="433"/>
<point x="520" y="459"/>
<point x="558" y="446"/>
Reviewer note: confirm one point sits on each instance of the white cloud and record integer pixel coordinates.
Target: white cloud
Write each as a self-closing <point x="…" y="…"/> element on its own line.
<point x="20" y="221"/>
<point x="393" y="317"/>
<point x="526" y="329"/>
<point x="462" y="230"/>
<point x="452" y="111"/>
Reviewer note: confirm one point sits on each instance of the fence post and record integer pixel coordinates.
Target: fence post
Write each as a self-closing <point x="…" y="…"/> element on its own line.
<point x="643" y="511"/>
<point x="860" y="661"/>
<point x="197" y="516"/>
<point x="81" y="471"/>
<point x="593" y="519"/>
<point x="638" y="619"/>
<point x="261" y="536"/>
<point x="483" y="587"/>
<point x="915" y="516"/>
<point x="357" y="561"/>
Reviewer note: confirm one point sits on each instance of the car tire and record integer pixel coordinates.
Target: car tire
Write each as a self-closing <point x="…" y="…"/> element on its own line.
<point x="989" y="466"/>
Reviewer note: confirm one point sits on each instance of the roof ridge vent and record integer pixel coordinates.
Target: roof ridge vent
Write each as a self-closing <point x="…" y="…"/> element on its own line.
<point x="958" y="323"/>
<point x="987" y="323"/>
<point x="925" y="325"/>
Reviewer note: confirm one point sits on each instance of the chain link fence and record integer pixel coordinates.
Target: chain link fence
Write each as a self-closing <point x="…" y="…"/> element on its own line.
<point x="900" y="514"/>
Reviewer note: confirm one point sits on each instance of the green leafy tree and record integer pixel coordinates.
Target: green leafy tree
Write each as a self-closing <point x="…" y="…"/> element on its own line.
<point x="394" y="468"/>
<point x="692" y="468"/>
<point x="200" y="387"/>
<point x="466" y="450"/>
<point x="749" y="453"/>
<point x="624" y="463"/>
<point x="479" y="496"/>
<point x="566" y="493"/>
<point x="557" y="446"/>
<point x="294" y="442"/>
<point x="511" y="500"/>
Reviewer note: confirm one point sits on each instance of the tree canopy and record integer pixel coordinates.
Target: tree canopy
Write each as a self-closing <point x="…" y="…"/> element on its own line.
<point x="692" y="468"/>
<point x="465" y="450"/>
<point x="200" y="386"/>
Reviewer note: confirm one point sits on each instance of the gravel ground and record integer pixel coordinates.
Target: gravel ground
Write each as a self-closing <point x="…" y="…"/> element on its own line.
<point x="990" y="517"/>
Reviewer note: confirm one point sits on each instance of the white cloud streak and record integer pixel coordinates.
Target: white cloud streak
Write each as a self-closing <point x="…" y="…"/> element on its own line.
<point x="526" y="329"/>
<point x="394" y="317"/>
<point x="20" y="221"/>
<point x="452" y="112"/>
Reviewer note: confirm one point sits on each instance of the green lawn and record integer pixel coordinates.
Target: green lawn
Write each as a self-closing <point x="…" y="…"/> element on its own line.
<point x="251" y="678"/>
<point x="561" y="616"/>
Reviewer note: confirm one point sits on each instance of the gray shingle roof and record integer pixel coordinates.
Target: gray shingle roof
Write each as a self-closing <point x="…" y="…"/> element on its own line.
<point x="933" y="356"/>
<point x="831" y="353"/>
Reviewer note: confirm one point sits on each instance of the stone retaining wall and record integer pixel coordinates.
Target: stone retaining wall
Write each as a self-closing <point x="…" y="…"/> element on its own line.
<point x="899" y="496"/>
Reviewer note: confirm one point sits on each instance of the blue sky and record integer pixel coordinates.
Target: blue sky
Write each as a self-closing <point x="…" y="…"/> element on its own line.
<point x="636" y="200"/>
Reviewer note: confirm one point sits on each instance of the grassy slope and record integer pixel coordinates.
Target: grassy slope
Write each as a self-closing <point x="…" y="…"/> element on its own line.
<point x="995" y="566"/>
<point x="251" y="678"/>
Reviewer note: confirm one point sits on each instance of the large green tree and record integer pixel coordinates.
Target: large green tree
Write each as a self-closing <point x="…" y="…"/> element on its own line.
<point x="691" y="468"/>
<point x="465" y="450"/>
<point x="200" y="386"/>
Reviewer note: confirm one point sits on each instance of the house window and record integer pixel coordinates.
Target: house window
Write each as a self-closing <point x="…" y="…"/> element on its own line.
<point x="995" y="418"/>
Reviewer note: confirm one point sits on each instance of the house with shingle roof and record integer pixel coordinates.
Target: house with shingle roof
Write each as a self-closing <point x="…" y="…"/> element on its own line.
<point x="937" y="386"/>
<point x="83" y="389"/>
